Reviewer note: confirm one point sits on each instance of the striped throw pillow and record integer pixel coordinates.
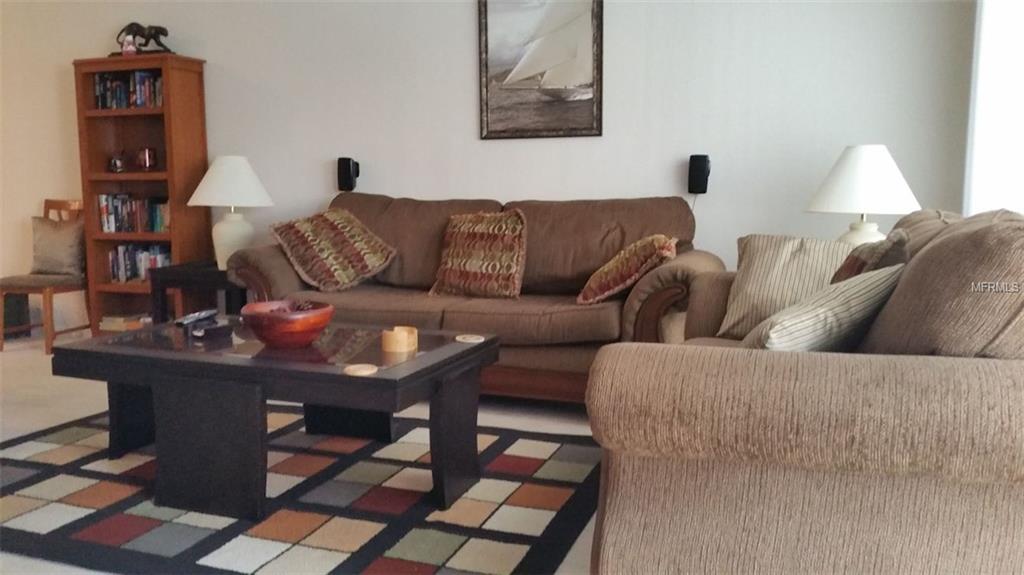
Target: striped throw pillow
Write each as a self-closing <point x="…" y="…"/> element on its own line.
<point x="834" y="319"/>
<point x="484" y="255"/>
<point x="627" y="267"/>
<point x="775" y="272"/>
<point x="333" y="250"/>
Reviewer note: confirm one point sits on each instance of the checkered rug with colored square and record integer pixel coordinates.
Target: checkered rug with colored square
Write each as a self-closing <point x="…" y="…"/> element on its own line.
<point x="336" y="505"/>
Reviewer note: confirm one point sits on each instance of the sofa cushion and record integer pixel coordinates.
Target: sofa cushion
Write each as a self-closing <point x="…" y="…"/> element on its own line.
<point x="570" y="240"/>
<point x="962" y="296"/>
<point x="384" y="305"/>
<point x="775" y="272"/>
<point x="483" y="255"/>
<point x="414" y="227"/>
<point x="714" y="342"/>
<point x="537" y="319"/>
<point x="834" y="319"/>
<point x="332" y="251"/>
<point x="627" y="267"/>
<point x="923" y="226"/>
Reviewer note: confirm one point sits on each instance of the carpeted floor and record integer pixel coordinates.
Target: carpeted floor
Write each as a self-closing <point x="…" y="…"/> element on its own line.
<point x="338" y="505"/>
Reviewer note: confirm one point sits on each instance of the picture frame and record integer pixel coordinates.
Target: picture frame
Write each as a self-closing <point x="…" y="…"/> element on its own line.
<point x="540" y="77"/>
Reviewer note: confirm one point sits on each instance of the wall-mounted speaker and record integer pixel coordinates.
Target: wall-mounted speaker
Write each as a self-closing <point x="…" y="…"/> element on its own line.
<point x="700" y="169"/>
<point x="348" y="171"/>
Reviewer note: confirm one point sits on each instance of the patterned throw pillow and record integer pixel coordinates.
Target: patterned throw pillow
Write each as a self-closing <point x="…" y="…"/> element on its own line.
<point x="875" y="255"/>
<point x="484" y="255"/>
<point x="775" y="272"/>
<point x="834" y="319"/>
<point x="333" y="250"/>
<point x="627" y="267"/>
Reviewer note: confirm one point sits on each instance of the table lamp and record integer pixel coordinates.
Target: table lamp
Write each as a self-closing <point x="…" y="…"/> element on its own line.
<point x="231" y="182"/>
<point x="864" y="180"/>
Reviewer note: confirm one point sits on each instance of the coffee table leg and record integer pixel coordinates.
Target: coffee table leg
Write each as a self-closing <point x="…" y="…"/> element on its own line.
<point x="211" y="447"/>
<point x="131" y="418"/>
<point x="327" y="420"/>
<point x="454" y="460"/>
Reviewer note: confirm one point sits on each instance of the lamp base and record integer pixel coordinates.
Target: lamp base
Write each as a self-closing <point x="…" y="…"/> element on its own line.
<point x="862" y="233"/>
<point x="230" y="234"/>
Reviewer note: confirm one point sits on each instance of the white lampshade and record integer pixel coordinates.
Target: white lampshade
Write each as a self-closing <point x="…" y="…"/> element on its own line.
<point x="865" y="180"/>
<point x="231" y="181"/>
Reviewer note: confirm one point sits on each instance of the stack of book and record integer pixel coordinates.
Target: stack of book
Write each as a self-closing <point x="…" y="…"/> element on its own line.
<point x="122" y="213"/>
<point x="132" y="261"/>
<point x="124" y="322"/>
<point x="140" y="89"/>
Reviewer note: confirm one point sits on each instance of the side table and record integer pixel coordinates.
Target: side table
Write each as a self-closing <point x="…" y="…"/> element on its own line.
<point x="203" y="276"/>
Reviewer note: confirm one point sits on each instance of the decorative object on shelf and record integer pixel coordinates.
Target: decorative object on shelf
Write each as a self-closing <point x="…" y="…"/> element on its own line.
<point x="402" y="339"/>
<point x="540" y="74"/>
<point x="864" y="180"/>
<point x="287" y="324"/>
<point x="145" y="159"/>
<point x="348" y="171"/>
<point x="116" y="163"/>
<point x="231" y="182"/>
<point x="134" y="37"/>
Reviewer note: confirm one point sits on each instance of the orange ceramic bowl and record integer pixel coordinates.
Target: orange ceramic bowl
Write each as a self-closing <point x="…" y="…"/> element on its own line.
<point x="287" y="324"/>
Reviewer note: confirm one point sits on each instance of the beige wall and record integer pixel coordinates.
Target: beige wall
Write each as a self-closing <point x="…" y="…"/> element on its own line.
<point x="772" y="91"/>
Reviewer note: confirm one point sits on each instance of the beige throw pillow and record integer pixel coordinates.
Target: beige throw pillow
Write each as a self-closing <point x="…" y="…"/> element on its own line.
<point x="57" y="247"/>
<point x="775" y="272"/>
<point x="834" y="319"/>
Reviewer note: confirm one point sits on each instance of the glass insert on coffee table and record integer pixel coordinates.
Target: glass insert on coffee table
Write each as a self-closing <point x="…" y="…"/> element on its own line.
<point x="203" y="400"/>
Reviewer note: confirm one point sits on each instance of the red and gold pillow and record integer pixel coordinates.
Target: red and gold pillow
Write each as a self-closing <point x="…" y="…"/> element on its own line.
<point x="333" y="250"/>
<point x="875" y="255"/>
<point x="484" y="255"/>
<point x="627" y="267"/>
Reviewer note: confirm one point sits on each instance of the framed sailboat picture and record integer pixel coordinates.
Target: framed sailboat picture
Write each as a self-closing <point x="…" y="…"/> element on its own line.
<point x="540" y="68"/>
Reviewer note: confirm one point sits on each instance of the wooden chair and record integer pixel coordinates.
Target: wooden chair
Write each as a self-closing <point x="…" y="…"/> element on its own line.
<point x="45" y="285"/>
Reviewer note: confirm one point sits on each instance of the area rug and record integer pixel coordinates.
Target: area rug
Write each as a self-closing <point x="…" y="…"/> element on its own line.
<point x="336" y="505"/>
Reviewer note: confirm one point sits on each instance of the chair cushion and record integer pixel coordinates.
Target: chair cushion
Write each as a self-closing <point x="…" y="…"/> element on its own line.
<point x="834" y="319"/>
<point x="414" y="227"/>
<point x="39" y="281"/>
<point x="538" y="319"/>
<point x="384" y="305"/>
<point x="775" y="272"/>
<point x="57" y="247"/>
<point x="484" y="255"/>
<point x="627" y="267"/>
<point x="570" y="240"/>
<point x="333" y="250"/>
<point x="874" y="255"/>
<point x="963" y="295"/>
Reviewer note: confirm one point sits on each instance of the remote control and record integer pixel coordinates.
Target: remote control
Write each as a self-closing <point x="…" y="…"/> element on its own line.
<point x="194" y="317"/>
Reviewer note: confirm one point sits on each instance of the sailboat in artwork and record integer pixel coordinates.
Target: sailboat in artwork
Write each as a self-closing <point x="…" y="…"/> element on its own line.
<point x="559" y="58"/>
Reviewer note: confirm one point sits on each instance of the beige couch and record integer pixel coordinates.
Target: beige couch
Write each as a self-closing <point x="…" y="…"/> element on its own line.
<point x="723" y="459"/>
<point x="548" y="341"/>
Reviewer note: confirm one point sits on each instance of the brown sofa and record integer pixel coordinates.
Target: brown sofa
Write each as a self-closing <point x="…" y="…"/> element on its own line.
<point x="890" y="460"/>
<point x="548" y="341"/>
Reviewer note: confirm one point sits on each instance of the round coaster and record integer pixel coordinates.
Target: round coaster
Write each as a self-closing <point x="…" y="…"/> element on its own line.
<point x="360" y="369"/>
<point x="469" y="338"/>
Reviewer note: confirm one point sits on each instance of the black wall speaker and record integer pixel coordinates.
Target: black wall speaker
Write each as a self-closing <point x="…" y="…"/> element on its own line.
<point x="348" y="171"/>
<point x="700" y="169"/>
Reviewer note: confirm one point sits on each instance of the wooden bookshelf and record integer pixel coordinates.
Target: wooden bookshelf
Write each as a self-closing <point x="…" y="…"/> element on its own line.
<point x="176" y="129"/>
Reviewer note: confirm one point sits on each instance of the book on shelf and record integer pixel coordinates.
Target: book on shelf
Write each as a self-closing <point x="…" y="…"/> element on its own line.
<point x="122" y="213"/>
<point x="120" y="90"/>
<point x="124" y="322"/>
<point x="129" y="262"/>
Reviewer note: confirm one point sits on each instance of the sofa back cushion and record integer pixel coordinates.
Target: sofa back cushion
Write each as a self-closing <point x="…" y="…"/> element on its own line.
<point x="571" y="240"/>
<point x="961" y="296"/>
<point x="923" y="226"/>
<point x="415" y="228"/>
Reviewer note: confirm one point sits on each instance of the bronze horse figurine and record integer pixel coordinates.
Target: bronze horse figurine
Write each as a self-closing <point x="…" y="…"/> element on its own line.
<point x="143" y="36"/>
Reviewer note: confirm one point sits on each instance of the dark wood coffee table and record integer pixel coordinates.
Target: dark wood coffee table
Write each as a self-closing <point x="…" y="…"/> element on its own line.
<point x="204" y="403"/>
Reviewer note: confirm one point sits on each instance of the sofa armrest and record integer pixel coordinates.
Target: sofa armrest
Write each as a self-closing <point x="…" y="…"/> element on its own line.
<point x="662" y="289"/>
<point x="960" y="418"/>
<point x="709" y="298"/>
<point x="266" y="271"/>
